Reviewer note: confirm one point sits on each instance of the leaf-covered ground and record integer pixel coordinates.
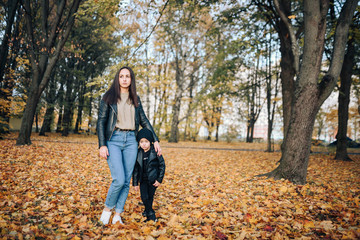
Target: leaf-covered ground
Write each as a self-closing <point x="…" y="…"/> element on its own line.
<point x="55" y="189"/>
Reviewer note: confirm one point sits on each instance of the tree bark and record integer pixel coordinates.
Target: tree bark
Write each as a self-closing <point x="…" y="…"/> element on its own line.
<point x="72" y="87"/>
<point x="174" y="132"/>
<point x="288" y="72"/>
<point x="80" y="107"/>
<point x="28" y="118"/>
<point x="250" y="131"/>
<point x="50" y="108"/>
<point x="296" y="152"/>
<point x="344" y="99"/>
<point x="218" y="121"/>
<point x="255" y="107"/>
<point x="48" y="119"/>
<point x="61" y="107"/>
<point x="90" y="109"/>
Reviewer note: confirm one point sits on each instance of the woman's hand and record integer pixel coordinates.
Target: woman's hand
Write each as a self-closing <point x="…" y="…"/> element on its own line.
<point x="136" y="188"/>
<point x="157" y="148"/>
<point x="156" y="184"/>
<point x="104" y="153"/>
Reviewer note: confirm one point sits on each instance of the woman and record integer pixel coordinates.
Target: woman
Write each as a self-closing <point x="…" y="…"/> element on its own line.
<point x="120" y="115"/>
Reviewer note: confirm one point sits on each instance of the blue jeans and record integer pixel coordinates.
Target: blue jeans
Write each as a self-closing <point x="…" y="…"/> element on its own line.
<point x="121" y="160"/>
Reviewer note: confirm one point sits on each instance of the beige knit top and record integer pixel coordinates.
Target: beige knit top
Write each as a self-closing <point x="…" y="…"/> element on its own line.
<point x="126" y="113"/>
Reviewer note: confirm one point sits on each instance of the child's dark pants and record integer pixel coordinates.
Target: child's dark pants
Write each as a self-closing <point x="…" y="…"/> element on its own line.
<point x="147" y="192"/>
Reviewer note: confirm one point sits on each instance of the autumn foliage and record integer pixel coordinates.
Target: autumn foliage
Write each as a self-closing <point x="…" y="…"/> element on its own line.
<point x="56" y="188"/>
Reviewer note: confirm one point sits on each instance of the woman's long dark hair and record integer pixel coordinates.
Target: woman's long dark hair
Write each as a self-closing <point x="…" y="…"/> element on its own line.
<point x="113" y="94"/>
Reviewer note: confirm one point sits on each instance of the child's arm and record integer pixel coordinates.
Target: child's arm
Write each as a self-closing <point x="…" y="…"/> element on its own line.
<point x="161" y="170"/>
<point x="136" y="175"/>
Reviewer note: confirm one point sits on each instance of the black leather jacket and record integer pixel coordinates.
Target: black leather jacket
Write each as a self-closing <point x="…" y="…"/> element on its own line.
<point x="107" y="119"/>
<point x="155" y="167"/>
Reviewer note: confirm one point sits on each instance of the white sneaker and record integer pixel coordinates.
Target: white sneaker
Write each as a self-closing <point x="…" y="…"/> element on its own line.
<point x="105" y="217"/>
<point x="116" y="219"/>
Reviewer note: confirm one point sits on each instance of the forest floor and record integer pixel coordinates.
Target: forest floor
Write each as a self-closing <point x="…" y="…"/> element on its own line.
<point x="56" y="188"/>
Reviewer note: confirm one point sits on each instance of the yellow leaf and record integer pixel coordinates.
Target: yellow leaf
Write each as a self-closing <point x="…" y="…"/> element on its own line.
<point x="83" y="219"/>
<point x="146" y="230"/>
<point x="30" y="195"/>
<point x="206" y="230"/>
<point x="309" y="224"/>
<point x="283" y="189"/>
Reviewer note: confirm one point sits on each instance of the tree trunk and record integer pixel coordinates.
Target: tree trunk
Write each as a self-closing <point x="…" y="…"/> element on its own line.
<point x="48" y="119"/>
<point x="344" y="99"/>
<point x="28" y="119"/>
<point x="288" y="72"/>
<point x="80" y="107"/>
<point x="147" y="82"/>
<point x="79" y="118"/>
<point x="217" y="133"/>
<point x="309" y="94"/>
<point x="50" y="107"/>
<point x="287" y="76"/>
<point x="68" y="104"/>
<point x="174" y="132"/>
<point x="60" y="119"/>
<point x="90" y="109"/>
<point x="250" y="131"/>
<point x="295" y="156"/>
<point x="67" y="119"/>
<point x="270" y="111"/>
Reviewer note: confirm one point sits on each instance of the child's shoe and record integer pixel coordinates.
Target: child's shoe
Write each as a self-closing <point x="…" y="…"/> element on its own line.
<point x="151" y="217"/>
<point x="105" y="217"/>
<point x="116" y="219"/>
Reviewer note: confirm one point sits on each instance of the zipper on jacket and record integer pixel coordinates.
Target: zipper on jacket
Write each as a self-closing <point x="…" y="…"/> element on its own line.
<point x="115" y="123"/>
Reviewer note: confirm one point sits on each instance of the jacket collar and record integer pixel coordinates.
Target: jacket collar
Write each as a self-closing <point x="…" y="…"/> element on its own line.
<point x="152" y="155"/>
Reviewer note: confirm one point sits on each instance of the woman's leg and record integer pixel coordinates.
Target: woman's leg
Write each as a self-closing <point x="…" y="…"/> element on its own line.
<point x="129" y="154"/>
<point x="115" y="163"/>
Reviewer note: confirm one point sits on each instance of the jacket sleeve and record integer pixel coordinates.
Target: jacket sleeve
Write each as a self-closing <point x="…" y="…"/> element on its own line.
<point x="101" y="123"/>
<point x="144" y="121"/>
<point x="161" y="168"/>
<point x="136" y="174"/>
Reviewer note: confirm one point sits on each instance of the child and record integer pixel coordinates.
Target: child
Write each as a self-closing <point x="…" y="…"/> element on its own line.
<point x="149" y="170"/>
